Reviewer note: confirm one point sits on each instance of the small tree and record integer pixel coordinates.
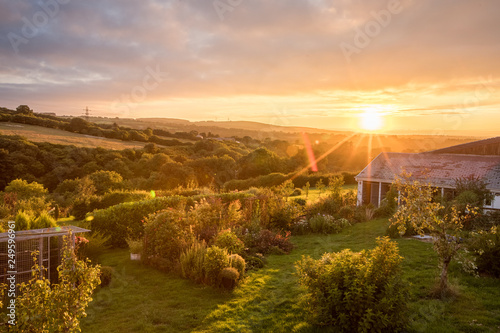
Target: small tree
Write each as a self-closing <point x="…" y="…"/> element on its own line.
<point x="306" y="189"/>
<point x="45" y="307"/>
<point x="320" y="186"/>
<point x="418" y="211"/>
<point x="335" y="184"/>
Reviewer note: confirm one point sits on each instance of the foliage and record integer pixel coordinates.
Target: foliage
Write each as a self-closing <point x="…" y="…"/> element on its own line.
<point x="356" y="292"/>
<point x="45" y="307"/>
<point x="44" y="220"/>
<point x="192" y="261"/>
<point x="229" y="240"/>
<point x="267" y="241"/>
<point x="486" y="247"/>
<point x="327" y="224"/>
<point x="229" y="276"/>
<point x="96" y="245"/>
<point x="216" y="259"/>
<point x="106" y="275"/>
<point x="471" y="191"/>
<point x="417" y="210"/>
<point x="25" y="190"/>
<point x="125" y="219"/>
<point x="135" y="245"/>
<point x="105" y="181"/>
<point x="166" y="236"/>
<point x="238" y="263"/>
<point x="23" y="221"/>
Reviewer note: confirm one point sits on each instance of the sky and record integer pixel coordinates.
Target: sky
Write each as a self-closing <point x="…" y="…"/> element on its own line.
<point x="419" y="66"/>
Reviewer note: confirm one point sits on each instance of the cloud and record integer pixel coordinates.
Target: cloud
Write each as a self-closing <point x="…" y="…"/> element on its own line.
<point x="97" y="51"/>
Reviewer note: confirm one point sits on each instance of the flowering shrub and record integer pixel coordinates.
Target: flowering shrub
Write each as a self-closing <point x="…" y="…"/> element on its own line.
<point x="356" y="292"/>
<point x="486" y="248"/>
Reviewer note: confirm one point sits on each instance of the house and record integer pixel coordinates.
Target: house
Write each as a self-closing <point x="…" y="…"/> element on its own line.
<point x="437" y="168"/>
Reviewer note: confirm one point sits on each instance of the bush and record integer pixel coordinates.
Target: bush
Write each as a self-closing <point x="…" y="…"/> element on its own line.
<point x="268" y="240"/>
<point x="226" y="239"/>
<point x="125" y="219"/>
<point x="95" y="246"/>
<point x="166" y="236"/>
<point x="254" y="262"/>
<point x="43" y="221"/>
<point x="296" y="192"/>
<point x="486" y="247"/>
<point x="216" y="259"/>
<point x="23" y="221"/>
<point x="106" y="275"/>
<point x="327" y="224"/>
<point x="300" y="201"/>
<point x="356" y="292"/>
<point x="229" y="277"/>
<point x="237" y="262"/>
<point x="326" y="205"/>
<point x="192" y="261"/>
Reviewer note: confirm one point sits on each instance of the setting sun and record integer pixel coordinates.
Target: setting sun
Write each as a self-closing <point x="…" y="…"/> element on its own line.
<point x="371" y="120"/>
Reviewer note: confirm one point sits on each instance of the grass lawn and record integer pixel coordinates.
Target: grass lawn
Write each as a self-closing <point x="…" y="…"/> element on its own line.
<point x="141" y="299"/>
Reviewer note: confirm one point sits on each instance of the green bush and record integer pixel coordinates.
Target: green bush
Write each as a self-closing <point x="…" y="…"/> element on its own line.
<point x="43" y="221"/>
<point x="166" y="236"/>
<point x="254" y="262"/>
<point x="192" y="261"/>
<point x="126" y="219"/>
<point x="228" y="240"/>
<point x="486" y="247"/>
<point x="96" y="245"/>
<point x="229" y="277"/>
<point x="327" y="224"/>
<point x="356" y="292"/>
<point x="216" y="259"/>
<point x="23" y="221"/>
<point x="106" y="275"/>
<point x="237" y="262"/>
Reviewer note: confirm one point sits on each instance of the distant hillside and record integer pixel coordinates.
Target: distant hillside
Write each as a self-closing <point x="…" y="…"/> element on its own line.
<point x="56" y="136"/>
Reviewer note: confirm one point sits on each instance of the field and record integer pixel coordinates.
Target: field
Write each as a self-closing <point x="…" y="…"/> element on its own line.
<point x="141" y="299"/>
<point x="56" y="136"/>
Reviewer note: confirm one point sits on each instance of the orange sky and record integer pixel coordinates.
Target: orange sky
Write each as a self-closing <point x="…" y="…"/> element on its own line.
<point x="420" y="66"/>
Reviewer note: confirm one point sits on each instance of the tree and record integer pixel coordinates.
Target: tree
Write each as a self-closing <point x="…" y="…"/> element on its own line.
<point x="105" y="181"/>
<point x="25" y="190"/>
<point x="45" y="307"/>
<point x="306" y="189"/>
<point x="320" y="186"/>
<point x="418" y="211"/>
<point x="24" y="109"/>
<point x="472" y="191"/>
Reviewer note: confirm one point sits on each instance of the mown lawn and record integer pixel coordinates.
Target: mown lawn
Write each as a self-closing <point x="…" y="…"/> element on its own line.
<point x="314" y="192"/>
<point x="141" y="299"/>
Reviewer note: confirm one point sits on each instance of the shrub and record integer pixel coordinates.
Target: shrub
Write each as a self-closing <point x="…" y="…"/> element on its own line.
<point x="356" y="292"/>
<point x="106" y="275"/>
<point x="486" y="247"/>
<point x="300" y="201"/>
<point x="296" y="192"/>
<point x="301" y="227"/>
<point x="96" y="245"/>
<point x="166" y="236"/>
<point x="327" y="224"/>
<point x="216" y="259"/>
<point x="192" y="261"/>
<point x="23" y="221"/>
<point x="267" y="240"/>
<point x="135" y="245"/>
<point x="228" y="240"/>
<point x="229" y="277"/>
<point x="253" y="262"/>
<point x="237" y="262"/>
<point x="125" y="219"/>
<point x="43" y="221"/>
<point x="282" y="214"/>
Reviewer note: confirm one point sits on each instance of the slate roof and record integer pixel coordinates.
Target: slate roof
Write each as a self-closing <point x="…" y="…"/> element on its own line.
<point x="475" y="145"/>
<point x="438" y="169"/>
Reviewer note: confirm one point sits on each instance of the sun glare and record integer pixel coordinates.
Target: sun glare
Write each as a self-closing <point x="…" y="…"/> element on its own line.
<point x="371" y="120"/>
